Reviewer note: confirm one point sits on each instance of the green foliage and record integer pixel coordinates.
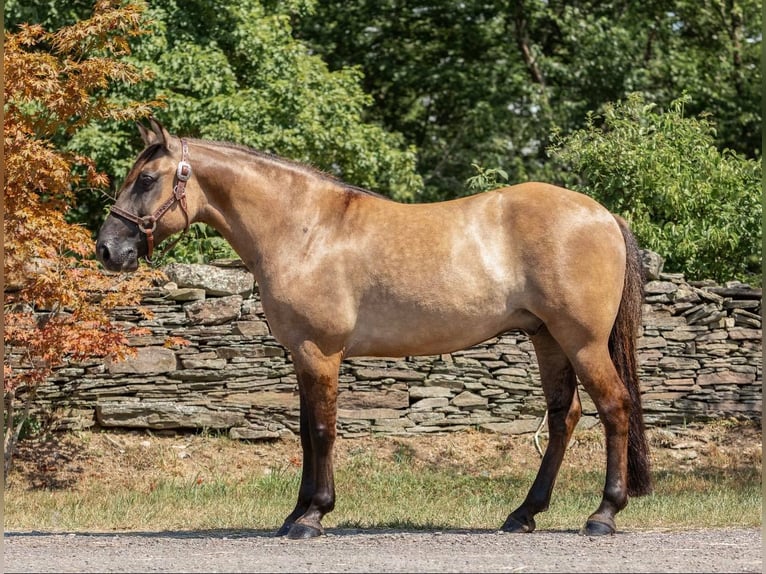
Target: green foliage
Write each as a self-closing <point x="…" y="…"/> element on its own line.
<point x="486" y="178"/>
<point x="201" y="244"/>
<point x="698" y="207"/>
<point x="231" y="70"/>
<point x="487" y="81"/>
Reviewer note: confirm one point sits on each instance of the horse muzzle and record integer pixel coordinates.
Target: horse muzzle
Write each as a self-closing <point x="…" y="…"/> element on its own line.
<point x="116" y="256"/>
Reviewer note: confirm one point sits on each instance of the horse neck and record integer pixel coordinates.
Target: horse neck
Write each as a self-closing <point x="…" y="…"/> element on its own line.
<point x="261" y="205"/>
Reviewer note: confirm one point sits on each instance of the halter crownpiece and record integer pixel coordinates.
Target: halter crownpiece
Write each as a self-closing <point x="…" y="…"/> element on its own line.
<point x="148" y="223"/>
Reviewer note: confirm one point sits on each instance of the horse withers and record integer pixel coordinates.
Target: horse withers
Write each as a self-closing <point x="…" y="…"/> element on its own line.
<point x="345" y="272"/>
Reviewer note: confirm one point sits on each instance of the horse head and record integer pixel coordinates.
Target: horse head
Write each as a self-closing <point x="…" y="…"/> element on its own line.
<point x="152" y="204"/>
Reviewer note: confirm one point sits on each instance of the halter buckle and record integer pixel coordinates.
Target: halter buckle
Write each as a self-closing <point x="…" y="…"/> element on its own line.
<point x="184" y="170"/>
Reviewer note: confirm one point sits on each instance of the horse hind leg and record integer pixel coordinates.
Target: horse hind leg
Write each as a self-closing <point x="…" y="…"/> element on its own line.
<point x="596" y="371"/>
<point x="560" y="388"/>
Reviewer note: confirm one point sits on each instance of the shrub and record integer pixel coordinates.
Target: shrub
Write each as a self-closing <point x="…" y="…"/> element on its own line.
<point x="699" y="207"/>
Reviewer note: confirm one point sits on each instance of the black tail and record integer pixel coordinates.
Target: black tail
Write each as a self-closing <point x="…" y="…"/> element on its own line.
<point x="622" y="348"/>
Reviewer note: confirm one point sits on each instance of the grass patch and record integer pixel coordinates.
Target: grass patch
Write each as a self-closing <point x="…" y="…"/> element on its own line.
<point x="454" y="482"/>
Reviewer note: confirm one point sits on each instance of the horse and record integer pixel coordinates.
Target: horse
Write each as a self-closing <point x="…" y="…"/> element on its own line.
<point x="344" y="272"/>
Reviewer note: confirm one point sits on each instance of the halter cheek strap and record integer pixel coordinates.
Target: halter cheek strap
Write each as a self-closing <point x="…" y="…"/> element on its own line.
<point x="148" y="223"/>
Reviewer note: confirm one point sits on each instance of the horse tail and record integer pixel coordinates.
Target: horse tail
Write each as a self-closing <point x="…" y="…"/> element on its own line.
<point x="622" y="348"/>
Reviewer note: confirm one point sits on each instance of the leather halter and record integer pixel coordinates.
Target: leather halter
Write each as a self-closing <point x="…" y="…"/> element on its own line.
<point x="148" y="223"/>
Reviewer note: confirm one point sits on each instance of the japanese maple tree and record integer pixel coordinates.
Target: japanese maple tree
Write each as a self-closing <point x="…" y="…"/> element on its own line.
<point x="56" y="299"/>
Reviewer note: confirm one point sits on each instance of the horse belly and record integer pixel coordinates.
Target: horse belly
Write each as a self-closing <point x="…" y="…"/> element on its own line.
<point x="429" y="326"/>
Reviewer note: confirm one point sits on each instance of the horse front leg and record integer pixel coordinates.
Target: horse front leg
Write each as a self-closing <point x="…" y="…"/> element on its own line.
<point x="306" y="490"/>
<point x="318" y="382"/>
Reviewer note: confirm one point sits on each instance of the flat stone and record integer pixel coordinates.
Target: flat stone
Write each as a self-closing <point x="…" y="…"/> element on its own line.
<point x="679" y="363"/>
<point x="739" y="334"/>
<point x="680" y="335"/>
<point x="274" y="399"/>
<point x="369" y="414"/>
<point x="216" y="281"/>
<point x="725" y="378"/>
<point x="651" y="343"/>
<point x="251" y="328"/>
<point x="736" y="292"/>
<point x="659" y="287"/>
<point x="686" y="294"/>
<point x="520" y="426"/>
<point x="391" y="399"/>
<point x="373" y="374"/>
<point x="468" y="399"/>
<point x="429" y="403"/>
<point x="214" y="311"/>
<point x="429" y="392"/>
<point x="147" y="360"/>
<point x="186" y="294"/>
<point x="195" y="363"/>
<point x="164" y="415"/>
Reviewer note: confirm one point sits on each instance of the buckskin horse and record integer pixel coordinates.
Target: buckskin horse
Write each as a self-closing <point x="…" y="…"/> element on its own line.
<point x="345" y="272"/>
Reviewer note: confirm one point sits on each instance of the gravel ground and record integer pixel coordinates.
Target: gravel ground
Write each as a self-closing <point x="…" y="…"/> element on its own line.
<point x="714" y="550"/>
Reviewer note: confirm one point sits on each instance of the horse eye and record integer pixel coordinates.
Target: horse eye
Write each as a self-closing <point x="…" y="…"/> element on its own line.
<point x="147" y="180"/>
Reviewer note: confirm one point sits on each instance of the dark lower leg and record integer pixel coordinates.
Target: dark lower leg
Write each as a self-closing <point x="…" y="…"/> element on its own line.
<point x="560" y="387"/>
<point x="307" y="487"/>
<point x="318" y="379"/>
<point x="613" y="404"/>
<point x="615" y="495"/>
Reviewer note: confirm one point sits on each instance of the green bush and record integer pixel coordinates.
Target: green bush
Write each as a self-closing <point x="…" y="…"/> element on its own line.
<point x="698" y="207"/>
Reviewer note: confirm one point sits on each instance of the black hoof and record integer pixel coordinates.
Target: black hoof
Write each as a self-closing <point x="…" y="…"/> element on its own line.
<point x="514" y="525"/>
<point x="597" y="528"/>
<point x="284" y="529"/>
<point x="301" y="531"/>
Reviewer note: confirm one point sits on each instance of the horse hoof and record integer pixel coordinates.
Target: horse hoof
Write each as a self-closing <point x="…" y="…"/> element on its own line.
<point x="514" y="525"/>
<point x="301" y="531"/>
<point x="598" y="528"/>
<point x="284" y="529"/>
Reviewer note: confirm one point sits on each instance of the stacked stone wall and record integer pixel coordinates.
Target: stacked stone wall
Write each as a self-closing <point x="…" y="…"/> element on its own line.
<point x="700" y="359"/>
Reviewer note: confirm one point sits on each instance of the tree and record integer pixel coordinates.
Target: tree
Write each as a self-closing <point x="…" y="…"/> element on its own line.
<point x="698" y="207"/>
<point x="56" y="300"/>
<point x="488" y="81"/>
<point x="232" y="70"/>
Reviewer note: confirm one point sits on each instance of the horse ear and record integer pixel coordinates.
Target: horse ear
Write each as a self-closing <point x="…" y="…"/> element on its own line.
<point x="147" y="136"/>
<point x="161" y="135"/>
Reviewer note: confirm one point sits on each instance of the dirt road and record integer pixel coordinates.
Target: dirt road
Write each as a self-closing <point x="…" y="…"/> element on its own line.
<point x="729" y="550"/>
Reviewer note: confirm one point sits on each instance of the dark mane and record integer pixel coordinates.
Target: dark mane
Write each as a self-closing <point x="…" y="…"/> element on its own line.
<point x="296" y="165"/>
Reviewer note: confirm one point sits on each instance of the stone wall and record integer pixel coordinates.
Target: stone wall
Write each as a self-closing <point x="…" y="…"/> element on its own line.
<point x="700" y="357"/>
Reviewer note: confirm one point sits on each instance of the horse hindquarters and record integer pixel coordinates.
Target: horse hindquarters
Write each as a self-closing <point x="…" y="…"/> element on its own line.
<point x="608" y="372"/>
<point x="592" y="333"/>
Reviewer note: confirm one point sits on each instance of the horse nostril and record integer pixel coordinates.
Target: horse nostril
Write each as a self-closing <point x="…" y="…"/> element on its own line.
<point x="103" y="252"/>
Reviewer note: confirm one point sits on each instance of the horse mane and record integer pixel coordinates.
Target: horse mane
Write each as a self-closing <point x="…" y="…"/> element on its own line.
<point x="310" y="170"/>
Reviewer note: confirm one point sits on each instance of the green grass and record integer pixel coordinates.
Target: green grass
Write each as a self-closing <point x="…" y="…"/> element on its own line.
<point x="388" y="493"/>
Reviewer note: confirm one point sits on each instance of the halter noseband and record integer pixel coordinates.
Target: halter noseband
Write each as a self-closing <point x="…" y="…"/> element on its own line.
<point x="148" y="223"/>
